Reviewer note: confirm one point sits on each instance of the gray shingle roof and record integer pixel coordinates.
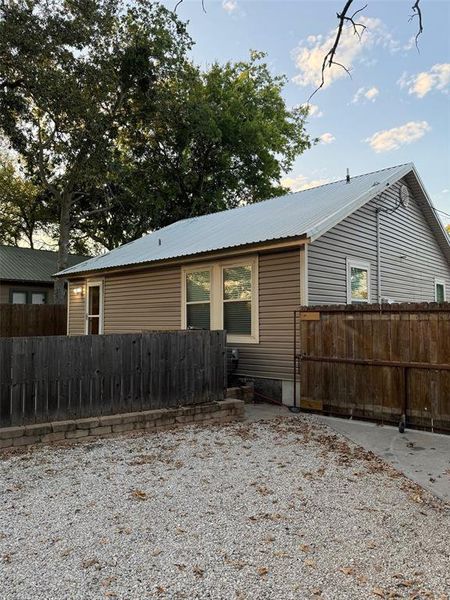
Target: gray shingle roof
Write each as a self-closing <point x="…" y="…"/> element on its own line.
<point x="309" y="213"/>
<point x="26" y="264"/>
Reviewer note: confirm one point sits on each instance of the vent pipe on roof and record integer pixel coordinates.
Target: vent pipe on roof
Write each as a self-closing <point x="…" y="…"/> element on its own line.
<point x="347" y="179"/>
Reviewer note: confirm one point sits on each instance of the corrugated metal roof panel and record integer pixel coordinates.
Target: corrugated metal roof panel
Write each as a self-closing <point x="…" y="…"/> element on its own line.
<point x="308" y="213"/>
<point x="27" y="264"/>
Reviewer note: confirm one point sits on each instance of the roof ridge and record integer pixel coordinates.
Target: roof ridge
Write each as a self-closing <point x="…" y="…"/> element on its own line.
<point x="288" y="193"/>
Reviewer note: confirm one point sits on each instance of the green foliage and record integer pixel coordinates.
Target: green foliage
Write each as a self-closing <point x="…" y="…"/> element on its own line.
<point x="22" y="212"/>
<point x="121" y="132"/>
<point x="216" y="140"/>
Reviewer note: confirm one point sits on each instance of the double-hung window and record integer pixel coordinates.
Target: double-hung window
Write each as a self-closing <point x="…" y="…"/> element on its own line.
<point x="358" y="281"/>
<point x="223" y="295"/>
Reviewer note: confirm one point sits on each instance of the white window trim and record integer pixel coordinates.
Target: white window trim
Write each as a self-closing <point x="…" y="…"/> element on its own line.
<point x="100" y="284"/>
<point x="439" y="281"/>
<point x="216" y="296"/>
<point x="193" y="269"/>
<point x="358" y="264"/>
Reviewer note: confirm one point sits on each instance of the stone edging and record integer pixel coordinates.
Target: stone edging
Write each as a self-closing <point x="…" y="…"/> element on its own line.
<point x="108" y="425"/>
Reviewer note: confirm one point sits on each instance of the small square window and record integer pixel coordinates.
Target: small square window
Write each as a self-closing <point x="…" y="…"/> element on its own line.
<point x="38" y="297"/>
<point x="19" y="297"/>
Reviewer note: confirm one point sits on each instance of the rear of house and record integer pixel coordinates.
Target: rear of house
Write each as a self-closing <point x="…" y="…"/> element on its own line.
<point x="374" y="239"/>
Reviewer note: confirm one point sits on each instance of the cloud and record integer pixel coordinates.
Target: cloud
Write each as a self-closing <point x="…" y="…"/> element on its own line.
<point x="229" y="6"/>
<point x="368" y="93"/>
<point x="327" y="138"/>
<point x="309" y="54"/>
<point x="438" y="77"/>
<point x="314" y="110"/>
<point x="392" y="139"/>
<point x="302" y="182"/>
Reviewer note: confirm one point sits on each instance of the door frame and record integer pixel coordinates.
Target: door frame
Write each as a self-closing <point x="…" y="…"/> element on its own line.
<point x="94" y="283"/>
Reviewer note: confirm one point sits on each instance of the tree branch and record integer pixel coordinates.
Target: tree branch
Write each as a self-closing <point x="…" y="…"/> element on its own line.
<point x="328" y="60"/>
<point x="417" y="13"/>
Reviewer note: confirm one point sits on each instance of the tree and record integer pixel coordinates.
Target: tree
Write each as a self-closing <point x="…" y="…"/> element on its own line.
<point x="218" y="139"/>
<point x="22" y="212"/>
<point x="69" y="73"/>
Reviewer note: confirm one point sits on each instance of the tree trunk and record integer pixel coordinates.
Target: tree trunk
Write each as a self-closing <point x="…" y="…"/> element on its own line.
<point x="63" y="246"/>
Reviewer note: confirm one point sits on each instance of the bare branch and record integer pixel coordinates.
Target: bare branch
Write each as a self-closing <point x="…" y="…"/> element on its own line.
<point x="180" y="1"/>
<point x="328" y="60"/>
<point x="417" y="13"/>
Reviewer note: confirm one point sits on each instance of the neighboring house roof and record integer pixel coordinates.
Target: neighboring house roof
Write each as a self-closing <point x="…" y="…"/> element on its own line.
<point x="307" y="214"/>
<point x="27" y="264"/>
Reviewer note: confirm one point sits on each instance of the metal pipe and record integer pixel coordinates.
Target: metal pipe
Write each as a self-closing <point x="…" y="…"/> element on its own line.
<point x="378" y="255"/>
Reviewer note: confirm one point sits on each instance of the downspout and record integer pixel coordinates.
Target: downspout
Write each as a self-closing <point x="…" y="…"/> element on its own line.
<point x="378" y="210"/>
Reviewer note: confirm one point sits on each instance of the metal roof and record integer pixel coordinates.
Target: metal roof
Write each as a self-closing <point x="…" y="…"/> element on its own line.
<point x="309" y="213"/>
<point x="27" y="264"/>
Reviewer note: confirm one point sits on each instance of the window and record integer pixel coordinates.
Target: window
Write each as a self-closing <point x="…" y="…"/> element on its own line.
<point x="94" y="308"/>
<point x="237" y="300"/>
<point x="439" y="290"/>
<point x="28" y="297"/>
<point x="198" y="297"/>
<point x="358" y="281"/>
<point x="38" y="297"/>
<point x="223" y="295"/>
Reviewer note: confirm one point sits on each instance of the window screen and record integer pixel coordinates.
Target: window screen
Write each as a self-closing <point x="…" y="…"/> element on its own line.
<point x="198" y="296"/>
<point x="237" y="300"/>
<point x="19" y="297"/>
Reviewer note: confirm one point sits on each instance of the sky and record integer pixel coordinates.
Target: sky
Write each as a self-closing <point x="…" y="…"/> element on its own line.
<point x="394" y="109"/>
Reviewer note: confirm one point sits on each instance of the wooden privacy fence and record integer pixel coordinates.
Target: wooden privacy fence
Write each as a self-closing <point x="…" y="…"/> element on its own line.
<point x="376" y="363"/>
<point x="32" y="319"/>
<point x="57" y="378"/>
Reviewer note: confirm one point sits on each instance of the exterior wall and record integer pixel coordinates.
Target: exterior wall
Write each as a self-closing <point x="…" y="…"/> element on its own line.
<point x="279" y="295"/>
<point x="151" y="299"/>
<point x="7" y="286"/>
<point x="410" y="255"/>
<point x="146" y="300"/>
<point x="75" y="309"/>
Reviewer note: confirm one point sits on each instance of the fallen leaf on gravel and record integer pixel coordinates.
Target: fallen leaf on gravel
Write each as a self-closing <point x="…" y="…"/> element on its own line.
<point x="262" y="571"/>
<point x="371" y="545"/>
<point x="106" y="582"/>
<point x="282" y="554"/>
<point x="180" y="529"/>
<point x="90" y="562"/>
<point x="316" y="592"/>
<point x="305" y="548"/>
<point x="378" y="592"/>
<point x="160" y="589"/>
<point x="180" y="567"/>
<point x="269" y="539"/>
<point x="362" y="579"/>
<point x="417" y="498"/>
<point x="156" y="552"/>
<point x="310" y="563"/>
<point x="347" y="570"/>
<point x="6" y="558"/>
<point x="198" y="571"/>
<point x="139" y="495"/>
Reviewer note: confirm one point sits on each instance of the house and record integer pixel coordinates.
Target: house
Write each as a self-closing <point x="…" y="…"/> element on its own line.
<point x="26" y="275"/>
<point x="371" y="238"/>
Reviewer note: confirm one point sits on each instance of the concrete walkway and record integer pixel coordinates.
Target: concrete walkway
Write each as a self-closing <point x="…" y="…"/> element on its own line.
<point x="422" y="456"/>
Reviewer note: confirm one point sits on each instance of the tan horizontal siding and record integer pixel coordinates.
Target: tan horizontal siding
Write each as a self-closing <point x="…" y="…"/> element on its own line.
<point x="279" y="295"/>
<point x="146" y="300"/>
<point x="151" y="300"/>
<point x="76" y="322"/>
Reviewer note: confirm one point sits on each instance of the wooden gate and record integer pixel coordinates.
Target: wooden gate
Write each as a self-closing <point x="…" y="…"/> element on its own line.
<point x="376" y="362"/>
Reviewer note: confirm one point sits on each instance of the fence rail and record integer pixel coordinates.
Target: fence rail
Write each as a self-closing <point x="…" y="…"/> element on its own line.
<point x="375" y="363"/>
<point x="56" y="378"/>
<point x="32" y="319"/>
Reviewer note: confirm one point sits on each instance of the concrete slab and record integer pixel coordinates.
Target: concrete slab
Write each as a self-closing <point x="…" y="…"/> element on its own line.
<point x="422" y="456"/>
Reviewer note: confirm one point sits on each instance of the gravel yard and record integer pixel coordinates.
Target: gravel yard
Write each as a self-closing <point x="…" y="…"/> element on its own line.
<point x="269" y="510"/>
